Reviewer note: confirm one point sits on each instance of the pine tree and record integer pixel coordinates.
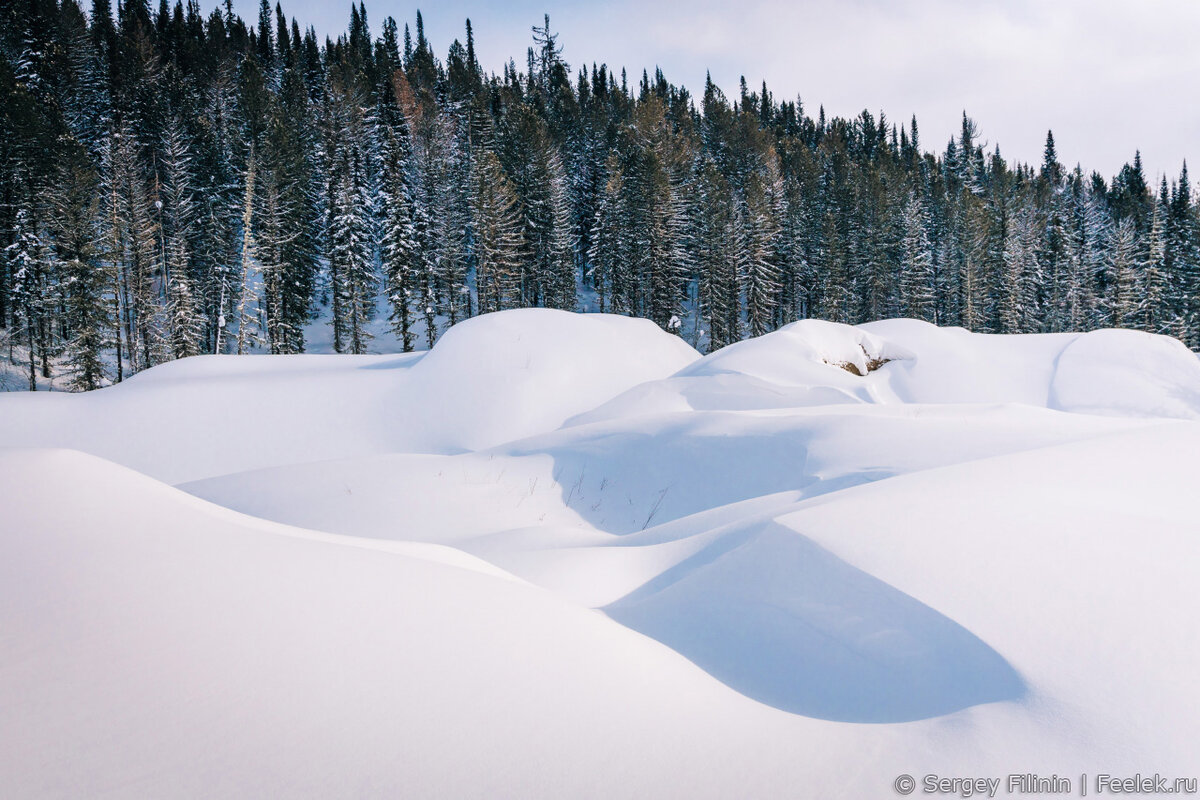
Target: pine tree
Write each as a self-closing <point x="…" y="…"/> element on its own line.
<point x="530" y="159"/>
<point x="453" y="222"/>
<point x="398" y="245"/>
<point x="1125" y="294"/>
<point x="351" y="251"/>
<point x="612" y="244"/>
<point x="1154" y="273"/>
<point x="716" y="257"/>
<point x="26" y="259"/>
<point x="1184" y="261"/>
<point x="916" y="289"/>
<point x="1019" y="306"/>
<point x="559" y="260"/>
<point x="86" y="315"/>
<point x="499" y="236"/>
<point x="136" y="246"/>
<point x="757" y="257"/>
<point x="177" y="213"/>
<point x="290" y="228"/>
<point x="274" y="234"/>
<point x="249" y="328"/>
<point x="833" y="262"/>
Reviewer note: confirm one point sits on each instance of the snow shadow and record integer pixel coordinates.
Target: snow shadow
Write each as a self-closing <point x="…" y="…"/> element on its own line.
<point x="785" y="622"/>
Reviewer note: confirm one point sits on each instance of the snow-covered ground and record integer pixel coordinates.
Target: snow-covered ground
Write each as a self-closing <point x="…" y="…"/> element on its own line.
<point x="565" y="556"/>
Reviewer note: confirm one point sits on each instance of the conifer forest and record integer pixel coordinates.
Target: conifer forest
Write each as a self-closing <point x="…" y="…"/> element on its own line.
<point x="177" y="181"/>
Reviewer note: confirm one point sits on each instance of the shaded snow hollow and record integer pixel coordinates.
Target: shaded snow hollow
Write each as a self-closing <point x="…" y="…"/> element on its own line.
<point x="565" y="555"/>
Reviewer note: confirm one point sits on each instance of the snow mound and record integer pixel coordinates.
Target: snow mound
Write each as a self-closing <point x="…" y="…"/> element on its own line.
<point x="489" y="379"/>
<point x="813" y="363"/>
<point x="210" y="415"/>
<point x="806" y="363"/>
<point x="813" y="635"/>
<point x="1109" y="372"/>
<point x="1127" y="373"/>
<point x="796" y="354"/>
<point x="516" y="373"/>
<point x="157" y="646"/>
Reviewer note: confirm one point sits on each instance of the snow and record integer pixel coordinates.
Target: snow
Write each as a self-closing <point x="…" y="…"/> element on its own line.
<point x="491" y="379"/>
<point x="564" y="555"/>
<point x="507" y="376"/>
<point x="1118" y="372"/>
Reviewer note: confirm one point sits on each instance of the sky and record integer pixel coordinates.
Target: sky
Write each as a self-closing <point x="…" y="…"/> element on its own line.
<point x="1107" y="77"/>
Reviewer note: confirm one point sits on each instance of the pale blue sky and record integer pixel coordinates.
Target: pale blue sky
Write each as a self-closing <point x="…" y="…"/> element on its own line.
<point x="1107" y="76"/>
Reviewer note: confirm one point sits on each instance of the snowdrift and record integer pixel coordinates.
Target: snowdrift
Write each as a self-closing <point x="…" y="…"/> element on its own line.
<point x="488" y="380"/>
<point x="564" y="555"/>
<point x="513" y="374"/>
<point x="814" y="363"/>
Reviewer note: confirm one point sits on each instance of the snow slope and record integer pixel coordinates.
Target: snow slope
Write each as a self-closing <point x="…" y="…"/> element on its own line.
<point x="212" y="415"/>
<point x="563" y="555"/>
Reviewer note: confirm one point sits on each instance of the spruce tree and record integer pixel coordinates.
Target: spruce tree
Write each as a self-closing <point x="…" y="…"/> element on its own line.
<point x="916" y="288"/>
<point x="757" y="257"/>
<point x="177" y="215"/>
<point x="249" y="328"/>
<point x="86" y="314"/>
<point x="351" y="240"/>
<point x="398" y="243"/>
<point x="716" y="257"/>
<point x="499" y="239"/>
<point x="1125" y="292"/>
<point x="1019" y="305"/>
<point x="26" y="258"/>
<point x="1154" y="273"/>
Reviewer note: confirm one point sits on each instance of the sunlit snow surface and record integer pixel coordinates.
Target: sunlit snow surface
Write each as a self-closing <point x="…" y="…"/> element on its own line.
<point x="565" y="556"/>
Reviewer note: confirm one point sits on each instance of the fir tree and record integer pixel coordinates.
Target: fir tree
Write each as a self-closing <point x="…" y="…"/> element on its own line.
<point x="916" y="289"/>
<point x="26" y="258"/>
<point x="351" y="252"/>
<point x="398" y="245"/>
<point x="1019" y="305"/>
<point x="757" y="257"/>
<point x="1125" y="293"/>
<point x="1154" y="274"/>
<point x="177" y="214"/>
<point x="249" y="329"/>
<point x="716" y="257"/>
<point x="499" y="237"/>
<point x="86" y="315"/>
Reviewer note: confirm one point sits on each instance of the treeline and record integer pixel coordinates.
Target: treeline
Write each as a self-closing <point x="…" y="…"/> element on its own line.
<point x="173" y="183"/>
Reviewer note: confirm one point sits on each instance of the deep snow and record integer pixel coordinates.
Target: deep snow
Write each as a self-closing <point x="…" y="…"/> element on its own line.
<point x="564" y="555"/>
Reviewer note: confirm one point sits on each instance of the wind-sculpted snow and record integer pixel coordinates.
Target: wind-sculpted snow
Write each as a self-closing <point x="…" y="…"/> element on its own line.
<point x="506" y="376"/>
<point x="488" y="380"/>
<point x="1126" y="373"/>
<point x="1112" y="372"/>
<point x="605" y="566"/>
<point x="783" y="621"/>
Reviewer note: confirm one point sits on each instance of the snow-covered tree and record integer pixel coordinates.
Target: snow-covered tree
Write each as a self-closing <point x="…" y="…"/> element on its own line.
<point x="916" y="267"/>
<point x="1125" y="293"/>
<point x="499" y="242"/>
<point x="26" y="258"/>
<point x="351" y="253"/>
<point x="1154" y="273"/>
<point x="1019" y="304"/>
<point x="177" y="215"/>
<point x="398" y="243"/>
<point x="758" y="254"/>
